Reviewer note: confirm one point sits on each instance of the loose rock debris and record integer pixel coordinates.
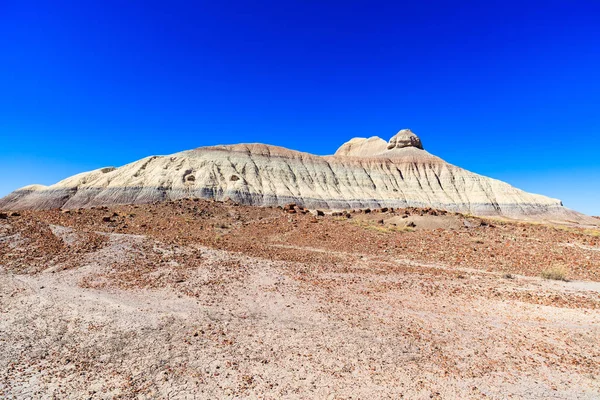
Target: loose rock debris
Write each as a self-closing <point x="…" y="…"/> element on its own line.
<point x="200" y="299"/>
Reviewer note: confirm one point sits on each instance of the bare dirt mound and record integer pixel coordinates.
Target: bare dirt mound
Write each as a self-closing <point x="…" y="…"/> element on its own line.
<point x="199" y="299"/>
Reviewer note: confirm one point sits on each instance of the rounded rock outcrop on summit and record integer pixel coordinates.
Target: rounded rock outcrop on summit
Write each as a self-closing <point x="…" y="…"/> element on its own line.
<point x="405" y="138"/>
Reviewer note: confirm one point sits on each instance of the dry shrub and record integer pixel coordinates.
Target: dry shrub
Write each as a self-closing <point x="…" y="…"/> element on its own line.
<point x="557" y="273"/>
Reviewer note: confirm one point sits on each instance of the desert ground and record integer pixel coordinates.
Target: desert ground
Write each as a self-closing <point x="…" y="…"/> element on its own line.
<point x="194" y="299"/>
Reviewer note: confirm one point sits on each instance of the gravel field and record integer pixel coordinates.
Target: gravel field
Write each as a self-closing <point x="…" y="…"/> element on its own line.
<point x="204" y="300"/>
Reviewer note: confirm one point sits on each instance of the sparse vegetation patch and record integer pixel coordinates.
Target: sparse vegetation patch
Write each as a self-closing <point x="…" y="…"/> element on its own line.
<point x="556" y="273"/>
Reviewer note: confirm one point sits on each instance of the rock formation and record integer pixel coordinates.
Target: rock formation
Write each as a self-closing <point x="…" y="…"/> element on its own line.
<point x="404" y="138"/>
<point x="362" y="173"/>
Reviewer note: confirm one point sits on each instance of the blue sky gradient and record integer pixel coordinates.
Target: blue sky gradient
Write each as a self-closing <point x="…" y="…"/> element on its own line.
<point x="506" y="89"/>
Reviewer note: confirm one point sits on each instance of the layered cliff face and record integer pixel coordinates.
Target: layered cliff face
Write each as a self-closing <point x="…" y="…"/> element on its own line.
<point x="362" y="173"/>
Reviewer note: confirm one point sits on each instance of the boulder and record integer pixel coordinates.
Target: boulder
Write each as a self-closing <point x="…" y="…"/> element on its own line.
<point x="289" y="206"/>
<point x="404" y="138"/>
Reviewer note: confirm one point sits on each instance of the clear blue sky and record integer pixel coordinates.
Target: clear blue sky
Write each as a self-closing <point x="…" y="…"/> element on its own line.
<point x="508" y="89"/>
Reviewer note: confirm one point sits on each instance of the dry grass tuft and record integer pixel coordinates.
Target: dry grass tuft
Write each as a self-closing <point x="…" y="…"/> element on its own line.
<point x="556" y="273"/>
<point x="592" y="232"/>
<point x="582" y="231"/>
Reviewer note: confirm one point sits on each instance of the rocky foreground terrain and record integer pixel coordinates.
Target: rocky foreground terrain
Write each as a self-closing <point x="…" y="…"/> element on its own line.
<point x="196" y="299"/>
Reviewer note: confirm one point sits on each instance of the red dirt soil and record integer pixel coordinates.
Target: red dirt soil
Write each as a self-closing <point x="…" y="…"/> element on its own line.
<point x="208" y="299"/>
